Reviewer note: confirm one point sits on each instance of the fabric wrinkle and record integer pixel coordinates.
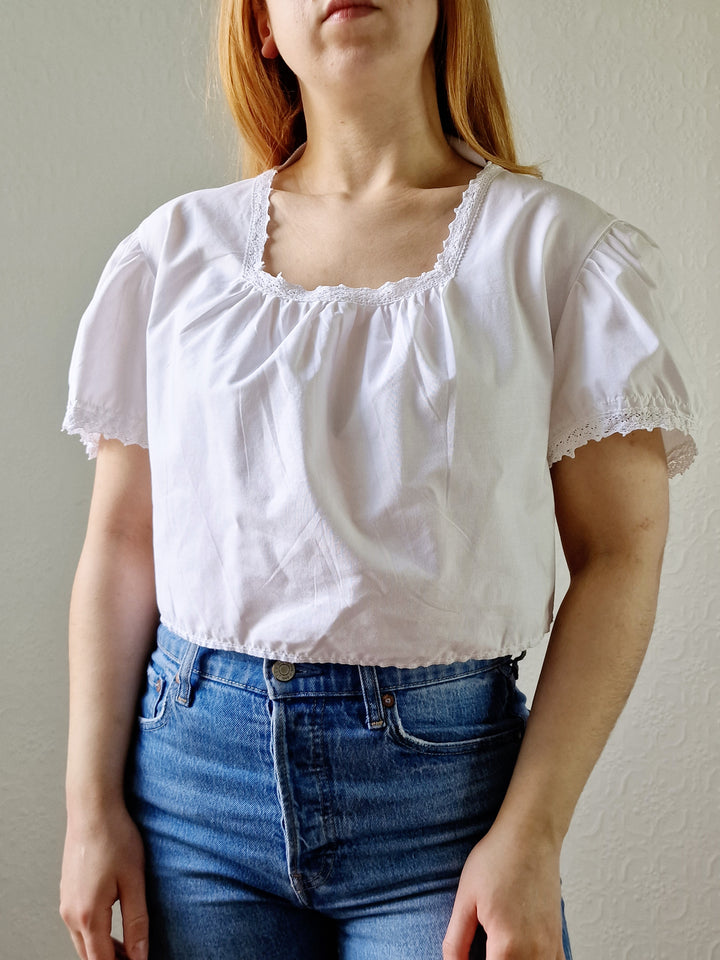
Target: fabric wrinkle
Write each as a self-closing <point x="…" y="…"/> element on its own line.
<point x="363" y="474"/>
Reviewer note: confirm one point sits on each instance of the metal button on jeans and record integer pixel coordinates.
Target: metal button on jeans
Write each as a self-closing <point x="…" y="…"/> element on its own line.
<point x="283" y="671"/>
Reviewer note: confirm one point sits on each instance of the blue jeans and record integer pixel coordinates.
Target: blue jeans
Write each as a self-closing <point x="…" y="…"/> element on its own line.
<point x="314" y="811"/>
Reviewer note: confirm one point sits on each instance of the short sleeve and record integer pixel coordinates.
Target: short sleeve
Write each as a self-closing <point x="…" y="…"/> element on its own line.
<point x="108" y="394"/>
<point x="620" y="362"/>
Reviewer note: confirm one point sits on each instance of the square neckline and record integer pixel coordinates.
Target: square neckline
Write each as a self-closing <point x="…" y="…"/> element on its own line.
<point x="444" y="268"/>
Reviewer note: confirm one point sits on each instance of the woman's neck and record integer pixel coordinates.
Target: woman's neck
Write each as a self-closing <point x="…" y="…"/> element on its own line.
<point x="360" y="144"/>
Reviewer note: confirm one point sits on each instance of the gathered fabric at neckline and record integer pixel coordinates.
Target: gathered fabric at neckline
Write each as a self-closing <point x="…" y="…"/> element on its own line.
<point x="446" y="262"/>
<point x="369" y="482"/>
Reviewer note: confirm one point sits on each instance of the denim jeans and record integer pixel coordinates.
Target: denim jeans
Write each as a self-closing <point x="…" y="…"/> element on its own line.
<point x="314" y="811"/>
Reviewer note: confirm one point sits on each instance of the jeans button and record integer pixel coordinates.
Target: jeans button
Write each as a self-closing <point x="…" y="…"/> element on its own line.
<point x="283" y="671"/>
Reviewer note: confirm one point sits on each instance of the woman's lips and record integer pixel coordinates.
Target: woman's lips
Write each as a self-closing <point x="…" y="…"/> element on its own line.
<point x="348" y="11"/>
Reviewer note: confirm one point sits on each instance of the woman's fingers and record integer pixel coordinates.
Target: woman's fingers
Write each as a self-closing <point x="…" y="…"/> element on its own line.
<point x="90" y="932"/>
<point x="103" y="863"/>
<point x="79" y="945"/>
<point x="95" y="937"/>
<point x="88" y="918"/>
<point x="134" y="916"/>
<point x="461" y="930"/>
<point x="511" y="890"/>
<point x="99" y="947"/>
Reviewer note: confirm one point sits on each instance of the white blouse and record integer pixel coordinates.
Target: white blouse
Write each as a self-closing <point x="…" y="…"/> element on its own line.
<point x="361" y="475"/>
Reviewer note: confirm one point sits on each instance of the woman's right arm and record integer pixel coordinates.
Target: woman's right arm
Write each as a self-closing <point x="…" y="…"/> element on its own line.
<point x="113" y="618"/>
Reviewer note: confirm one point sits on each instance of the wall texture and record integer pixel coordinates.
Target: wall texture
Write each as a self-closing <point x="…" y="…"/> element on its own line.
<point x="619" y="101"/>
<point x="103" y="118"/>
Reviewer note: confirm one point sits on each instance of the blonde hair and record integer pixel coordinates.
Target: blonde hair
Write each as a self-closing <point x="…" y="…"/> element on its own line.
<point x="264" y="95"/>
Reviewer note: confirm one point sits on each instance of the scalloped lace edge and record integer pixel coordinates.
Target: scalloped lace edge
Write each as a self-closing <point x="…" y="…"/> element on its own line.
<point x="507" y="648"/>
<point x="89" y="424"/>
<point x="679" y="455"/>
<point x="446" y="262"/>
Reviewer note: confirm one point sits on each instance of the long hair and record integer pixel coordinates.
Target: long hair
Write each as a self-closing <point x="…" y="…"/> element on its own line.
<point x="264" y="95"/>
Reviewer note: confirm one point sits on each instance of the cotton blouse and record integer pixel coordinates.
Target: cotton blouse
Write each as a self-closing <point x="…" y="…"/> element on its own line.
<point x="362" y="475"/>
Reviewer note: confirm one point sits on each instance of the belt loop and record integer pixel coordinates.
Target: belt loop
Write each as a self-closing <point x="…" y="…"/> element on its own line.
<point x="184" y="675"/>
<point x="514" y="663"/>
<point x="374" y="713"/>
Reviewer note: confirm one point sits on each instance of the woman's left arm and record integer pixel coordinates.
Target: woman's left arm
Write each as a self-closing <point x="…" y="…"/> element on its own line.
<point x="611" y="503"/>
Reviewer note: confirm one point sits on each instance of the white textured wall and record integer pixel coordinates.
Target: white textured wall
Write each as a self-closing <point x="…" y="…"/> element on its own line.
<point x="619" y="99"/>
<point x="103" y="119"/>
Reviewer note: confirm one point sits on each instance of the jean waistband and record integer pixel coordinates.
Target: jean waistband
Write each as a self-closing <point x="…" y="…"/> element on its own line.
<point x="308" y="679"/>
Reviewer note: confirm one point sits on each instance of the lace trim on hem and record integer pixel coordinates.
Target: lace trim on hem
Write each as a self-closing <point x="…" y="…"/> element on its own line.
<point x="90" y="423"/>
<point x="509" y="648"/>
<point x="644" y="416"/>
<point x="446" y="263"/>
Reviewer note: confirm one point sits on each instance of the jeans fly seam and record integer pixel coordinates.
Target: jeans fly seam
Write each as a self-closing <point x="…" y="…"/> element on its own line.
<point x="329" y="830"/>
<point x="282" y="786"/>
<point x="304" y="881"/>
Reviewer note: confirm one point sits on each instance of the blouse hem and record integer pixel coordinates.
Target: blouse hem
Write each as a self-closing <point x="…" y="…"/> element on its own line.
<point x="512" y="648"/>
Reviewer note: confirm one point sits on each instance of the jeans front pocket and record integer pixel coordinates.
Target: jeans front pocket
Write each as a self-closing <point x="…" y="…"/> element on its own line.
<point x="482" y="709"/>
<point x="153" y="702"/>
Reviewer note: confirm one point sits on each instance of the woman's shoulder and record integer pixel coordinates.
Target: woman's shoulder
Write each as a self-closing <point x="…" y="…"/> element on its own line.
<point x="548" y="207"/>
<point x="199" y="219"/>
<point x="541" y="229"/>
<point x="514" y="199"/>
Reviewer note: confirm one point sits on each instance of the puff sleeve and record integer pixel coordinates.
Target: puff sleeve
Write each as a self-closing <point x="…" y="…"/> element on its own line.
<point x="108" y="394"/>
<point x="620" y="363"/>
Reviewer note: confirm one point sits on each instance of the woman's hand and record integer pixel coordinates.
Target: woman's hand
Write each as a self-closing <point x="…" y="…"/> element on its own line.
<point x="113" y="622"/>
<point x="511" y="887"/>
<point x="104" y="862"/>
<point x="611" y="504"/>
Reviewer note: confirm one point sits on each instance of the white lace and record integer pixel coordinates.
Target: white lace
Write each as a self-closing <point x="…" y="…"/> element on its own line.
<point x="90" y="423"/>
<point x="633" y="415"/>
<point x="445" y="267"/>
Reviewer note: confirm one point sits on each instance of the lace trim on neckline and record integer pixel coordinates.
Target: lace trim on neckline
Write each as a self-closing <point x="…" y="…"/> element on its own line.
<point x="446" y="263"/>
<point x="638" y="414"/>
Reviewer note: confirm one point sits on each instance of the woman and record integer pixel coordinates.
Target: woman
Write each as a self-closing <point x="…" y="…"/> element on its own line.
<point x="337" y="408"/>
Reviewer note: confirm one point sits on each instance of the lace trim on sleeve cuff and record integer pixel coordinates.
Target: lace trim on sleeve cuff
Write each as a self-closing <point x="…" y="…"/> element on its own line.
<point x="90" y="423"/>
<point x="678" y="428"/>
